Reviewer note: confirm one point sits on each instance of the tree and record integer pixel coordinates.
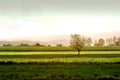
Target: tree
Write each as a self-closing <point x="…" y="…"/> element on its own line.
<point x="23" y="44"/>
<point x="49" y="45"/>
<point x="114" y="40"/>
<point x="59" y="45"/>
<point x="119" y="40"/>
<point x="117" y="44"/>
<point x="96" y="43"/>
<point x="107" y="41"/>
<point x="37" y="44"/>
<point x="77" y="42"/>
<point x="89" y="41"/>
<point x="110" y="41"/>
<point x="101" y="42"/>
<point x="7" y="45"/>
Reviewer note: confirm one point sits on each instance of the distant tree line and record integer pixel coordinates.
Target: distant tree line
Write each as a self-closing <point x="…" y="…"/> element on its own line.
<point x="114" y="41"/>
<point x="37" y="45"/>
<point x="7" y="45"/>
<point x="25" y="44"/>
<point x="78" y="42"/>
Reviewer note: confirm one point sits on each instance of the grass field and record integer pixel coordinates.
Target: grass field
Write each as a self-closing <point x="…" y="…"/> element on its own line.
<point x="60" y="71"/>
<point x="90" y="65"/>
<point x="33" y="48"/>
<point x="66" y="57"/>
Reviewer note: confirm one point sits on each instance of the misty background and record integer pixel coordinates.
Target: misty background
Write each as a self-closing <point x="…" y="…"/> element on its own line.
<point x="41" y="20"/>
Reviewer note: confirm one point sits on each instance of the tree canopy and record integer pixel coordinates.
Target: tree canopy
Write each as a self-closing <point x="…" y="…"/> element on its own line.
<point x="77" y="42"/>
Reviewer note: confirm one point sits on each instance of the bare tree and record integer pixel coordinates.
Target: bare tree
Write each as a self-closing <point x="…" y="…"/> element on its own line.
<point x="77" y="42"/>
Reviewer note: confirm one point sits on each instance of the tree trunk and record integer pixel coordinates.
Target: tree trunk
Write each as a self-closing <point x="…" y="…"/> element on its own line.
<point x="78" y="52"/>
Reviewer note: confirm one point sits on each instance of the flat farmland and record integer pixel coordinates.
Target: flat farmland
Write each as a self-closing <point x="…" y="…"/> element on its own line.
<point x="66" y="57"/>
<point x="62" y="65"/>
<point x="51" y="49"/>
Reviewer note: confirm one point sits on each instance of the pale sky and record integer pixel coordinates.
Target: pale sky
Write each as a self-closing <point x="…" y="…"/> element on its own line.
<point x="29" y="18"/>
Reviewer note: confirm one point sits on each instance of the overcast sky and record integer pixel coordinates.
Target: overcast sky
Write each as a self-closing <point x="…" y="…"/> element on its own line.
<point x="27" y="18"/>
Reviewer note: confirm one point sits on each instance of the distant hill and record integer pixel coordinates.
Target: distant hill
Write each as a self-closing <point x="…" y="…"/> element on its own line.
<point x="15" y="43"/>
<point x="59" y="39"/>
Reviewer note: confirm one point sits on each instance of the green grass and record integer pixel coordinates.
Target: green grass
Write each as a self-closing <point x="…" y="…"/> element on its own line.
<point x="90" y="65"/>
<point x="33" y="48"/>
<point x="99" y="48"/>
<point x="66" y="57"/>
<point x="61" y="71"/>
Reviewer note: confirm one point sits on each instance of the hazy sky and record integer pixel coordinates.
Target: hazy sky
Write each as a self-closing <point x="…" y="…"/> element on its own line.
<point x="27" y="18"/>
